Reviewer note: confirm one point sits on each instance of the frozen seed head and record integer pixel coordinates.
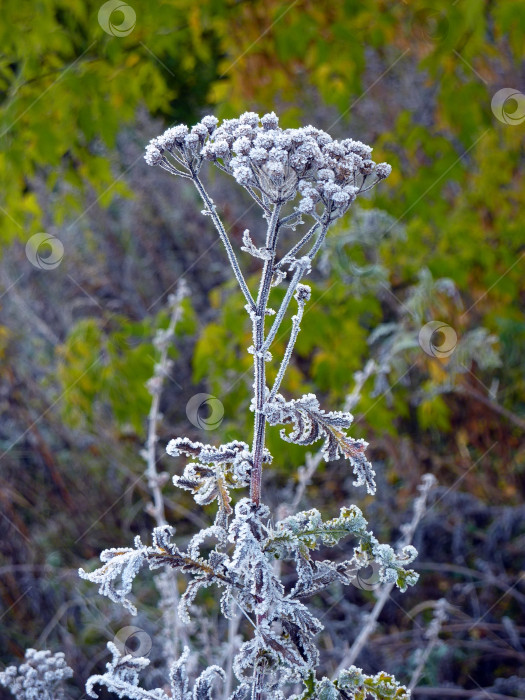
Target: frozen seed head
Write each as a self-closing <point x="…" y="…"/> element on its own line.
<point x="153" y="154"/>
<point x="383" y="170"/>
<point x="279" y="163"/>
<point x="367" y="167"/>
<point x="302" y="293"/>
<point x="270" y="121"/>
<point x="242" y="145"/>
<point x="210" y="122"/>
<point x="243" y="175"/>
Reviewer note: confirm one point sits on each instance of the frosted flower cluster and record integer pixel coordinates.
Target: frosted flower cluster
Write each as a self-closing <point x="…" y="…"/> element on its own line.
<point x="278" y="163"/>
<point x="40" y="677"/>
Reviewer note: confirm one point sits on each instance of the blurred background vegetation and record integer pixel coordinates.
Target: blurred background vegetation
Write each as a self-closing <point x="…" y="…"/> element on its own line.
<point x="443" y="239"/>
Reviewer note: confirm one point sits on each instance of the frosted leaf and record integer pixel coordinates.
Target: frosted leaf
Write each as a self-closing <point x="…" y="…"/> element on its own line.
<point x="218" y="470"/>
<point x="392" y="565"/>
<point x="122" y="678"/>
<point x="179" y="677"/>
<point x="326" y="690"/>
<point x="247" y="512"/>
<point x="195" y="542"/>
<point x="281" y="658"/>
<point x="202" y="690"/>
<point x="243" y="692"/>
<point x="40" y="677"/>
<point x="304" y="531"/>
<point x="245" y="658"/>
<point x="382" y="686"/>
<point x="316" y="576"/>
<point x="189" y="596"/>
<point x="311" y="423"/>
<point x="123" y="563"/>
<point x="228" y="606"/>
<point x="249" y="247"/>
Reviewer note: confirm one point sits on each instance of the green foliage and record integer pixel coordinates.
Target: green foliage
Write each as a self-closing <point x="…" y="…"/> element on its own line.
<point x="353" y="683"/>
<point x="67" y="88"/>
<point x="103" y="369"/>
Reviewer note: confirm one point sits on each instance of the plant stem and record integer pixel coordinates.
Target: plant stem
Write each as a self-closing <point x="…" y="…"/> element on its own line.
<point x="259" y="356"/>
<point x="296" y="327"/>
<point x="171" y="621"/>
<point x="226" y="241"/>
<point x="258" y="318"/>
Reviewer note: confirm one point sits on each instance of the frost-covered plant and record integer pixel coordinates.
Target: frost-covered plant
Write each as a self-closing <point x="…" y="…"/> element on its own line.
<point x="40" y="677"/>
<point x="294" y="176"/>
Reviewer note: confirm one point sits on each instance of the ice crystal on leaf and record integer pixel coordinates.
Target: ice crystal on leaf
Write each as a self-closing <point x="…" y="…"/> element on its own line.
<point x="122" y="678"/>
<point x="311" y="423"/>
<point x="123" y="563"/>
<point x="217" y="470"/>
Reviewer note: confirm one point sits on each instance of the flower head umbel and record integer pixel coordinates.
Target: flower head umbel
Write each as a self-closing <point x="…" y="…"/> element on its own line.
<point x="273" y="164"/>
